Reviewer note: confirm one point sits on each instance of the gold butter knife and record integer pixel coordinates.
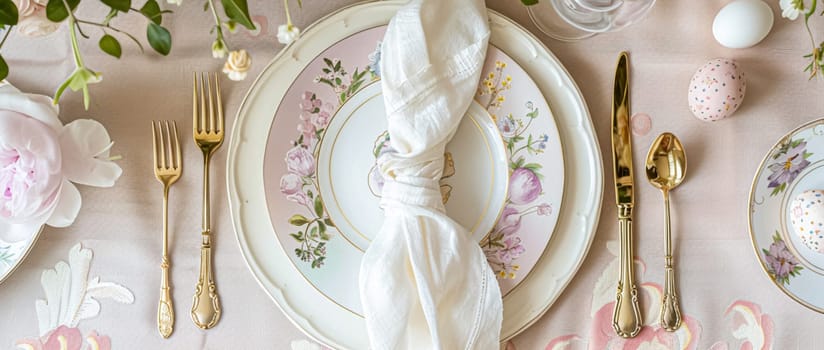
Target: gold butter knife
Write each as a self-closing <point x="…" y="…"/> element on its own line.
<point x="626" y="319"/>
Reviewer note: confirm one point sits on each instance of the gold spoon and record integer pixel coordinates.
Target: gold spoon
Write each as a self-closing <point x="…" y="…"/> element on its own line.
<point x="666" y="168"/>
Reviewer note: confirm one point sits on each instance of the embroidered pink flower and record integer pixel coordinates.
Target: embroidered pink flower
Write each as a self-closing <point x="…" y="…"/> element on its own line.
<point x="750" y="325"/>
<point x="65" y="338"/>
<point x="290" y="184"/>
<point x="300" y="161"/>
<point x="524" y="186"/>
<point x="39" y="160"/>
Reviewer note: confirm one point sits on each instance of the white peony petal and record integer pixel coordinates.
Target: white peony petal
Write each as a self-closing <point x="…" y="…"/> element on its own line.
<point x="68" y="205"/>
<point x="13" y="233"/>
<point x="39" y="107"/>
<point x="85" y="145"/>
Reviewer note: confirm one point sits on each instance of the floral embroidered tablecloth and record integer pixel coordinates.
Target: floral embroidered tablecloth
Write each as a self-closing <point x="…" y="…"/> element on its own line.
<point x="727" y="300"/>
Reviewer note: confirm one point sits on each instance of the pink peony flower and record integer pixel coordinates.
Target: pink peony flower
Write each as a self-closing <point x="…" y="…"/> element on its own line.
<point x="39" y="160"/>
<point x="290" y="184"/>
<point x="32" y="21"/>
<point x="30" y="168"/>
<point x="300" y="161"/>
<point x="524" y="186"/>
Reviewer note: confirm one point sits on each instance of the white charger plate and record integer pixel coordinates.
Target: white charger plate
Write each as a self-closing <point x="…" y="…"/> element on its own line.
<point x="322" y="318"/>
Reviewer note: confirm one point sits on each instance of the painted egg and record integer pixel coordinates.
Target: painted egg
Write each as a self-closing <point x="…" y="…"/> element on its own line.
<point x="742" y="23"/>
<point x="807" y="218"/>
<point x="717" y="90"/>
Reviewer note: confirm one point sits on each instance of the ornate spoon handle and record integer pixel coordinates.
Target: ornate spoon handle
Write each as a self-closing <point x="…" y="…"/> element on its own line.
<point x="670" y="312"/>
<point x="626" y="319"/>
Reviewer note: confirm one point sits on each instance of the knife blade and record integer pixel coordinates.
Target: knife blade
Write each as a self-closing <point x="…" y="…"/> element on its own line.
<point x="626" y="319"/>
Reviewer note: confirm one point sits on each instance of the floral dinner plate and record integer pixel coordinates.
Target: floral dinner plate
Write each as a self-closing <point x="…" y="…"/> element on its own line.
<point x="12" y="254"/>
<point x="794" y="165"/>
<point x="303" y="190"/>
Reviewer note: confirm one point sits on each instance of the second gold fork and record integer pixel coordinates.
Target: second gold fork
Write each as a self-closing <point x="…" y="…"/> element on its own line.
<point x="207" y="129"/>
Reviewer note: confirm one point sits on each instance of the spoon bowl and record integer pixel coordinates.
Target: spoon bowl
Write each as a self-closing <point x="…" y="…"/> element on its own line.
<point x="666" y="162"/>
<point x="666" y="167"/>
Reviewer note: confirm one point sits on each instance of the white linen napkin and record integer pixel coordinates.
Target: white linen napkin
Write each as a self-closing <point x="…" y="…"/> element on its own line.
<point x="424" y="283"/>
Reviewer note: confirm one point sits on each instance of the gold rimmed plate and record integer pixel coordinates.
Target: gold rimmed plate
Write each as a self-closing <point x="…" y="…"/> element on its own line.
<point x="304" y="190"/>
<point x="793" y="165"/>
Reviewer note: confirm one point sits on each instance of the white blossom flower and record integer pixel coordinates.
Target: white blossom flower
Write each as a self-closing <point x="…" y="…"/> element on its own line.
<point x="219" y="49"/>
<point x="237" y="65"/>
<point x="287" y="33"/>
<point x="175" y="2"/>
<point x="791" y="8"/>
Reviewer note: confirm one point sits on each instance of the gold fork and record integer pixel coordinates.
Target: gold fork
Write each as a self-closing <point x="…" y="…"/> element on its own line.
<point x="207" y="127"/>
<point x="168" y="167"/>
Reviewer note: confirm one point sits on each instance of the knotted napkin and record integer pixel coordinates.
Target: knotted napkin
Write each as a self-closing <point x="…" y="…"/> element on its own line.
<point x="424" y="283"/>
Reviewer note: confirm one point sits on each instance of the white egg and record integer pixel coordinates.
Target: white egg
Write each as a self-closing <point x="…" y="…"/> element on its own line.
<point x="742" y="23"/>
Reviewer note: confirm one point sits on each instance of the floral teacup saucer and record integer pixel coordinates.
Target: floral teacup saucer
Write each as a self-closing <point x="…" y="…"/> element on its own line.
<point x="794" y="165"/>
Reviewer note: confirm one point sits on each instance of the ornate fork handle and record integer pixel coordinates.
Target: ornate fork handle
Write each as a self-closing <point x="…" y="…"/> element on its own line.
<point x="165" y="311"/>
<point x="206" y="305"/>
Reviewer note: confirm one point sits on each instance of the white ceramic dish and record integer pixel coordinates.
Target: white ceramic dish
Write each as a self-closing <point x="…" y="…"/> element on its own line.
<point x="321" y="317"/>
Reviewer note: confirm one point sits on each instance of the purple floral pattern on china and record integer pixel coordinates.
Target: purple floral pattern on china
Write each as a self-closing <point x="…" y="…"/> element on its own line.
<point x="300" y="216"/>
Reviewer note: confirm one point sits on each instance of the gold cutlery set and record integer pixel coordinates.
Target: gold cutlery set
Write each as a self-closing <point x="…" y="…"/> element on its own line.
<point x="208" y="134"/>
<point x="666" y="166"/>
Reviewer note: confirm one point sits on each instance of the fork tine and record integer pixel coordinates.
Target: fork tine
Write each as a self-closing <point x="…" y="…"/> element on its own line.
<point x="154" y="144"/>
<point x="168" y="145"/>
<point x="219" y="102"/>
<point x="202" y="123"/>
<point x="162" y="146"/>
<point x="211" y="104"/>
<point x="195" y="125"/>
<point x="178" y="161"/>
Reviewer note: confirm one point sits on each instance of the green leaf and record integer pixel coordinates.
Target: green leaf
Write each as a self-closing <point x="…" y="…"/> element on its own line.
<point x="120" y="5"/>
<point x="8" y="13"/>
<point x="238" y="11"/>
<point x="56" y="10"/>
<point x="318" y="206"/>
<point x="4" y="68"/>
<point x="110" y="45"/>
<point x="297" y="236"/>
<point x="298" y="220"/>
<point x="313" y="233"/>
<point x="529" y="2"/>
<point x="329" y="222"/>
<point x="159" y="38"/>
<point x="152" y="11"/>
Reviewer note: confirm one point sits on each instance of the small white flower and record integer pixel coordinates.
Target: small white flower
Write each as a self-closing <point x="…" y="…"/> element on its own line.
<point x="791" y="8"/>
<point x="287" y="33"/>
<point x="175" y="2"/>
<point x="237" y="65"/>
<point x="219" y="49"/>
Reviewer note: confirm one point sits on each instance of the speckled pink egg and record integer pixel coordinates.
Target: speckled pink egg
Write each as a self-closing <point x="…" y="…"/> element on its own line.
<point x="717" y="89"/>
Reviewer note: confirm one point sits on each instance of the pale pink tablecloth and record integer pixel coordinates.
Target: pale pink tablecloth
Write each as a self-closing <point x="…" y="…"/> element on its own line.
<point x="727" y="298"/>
